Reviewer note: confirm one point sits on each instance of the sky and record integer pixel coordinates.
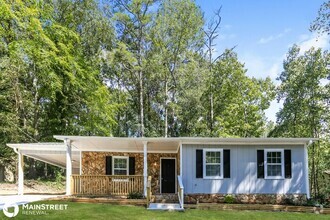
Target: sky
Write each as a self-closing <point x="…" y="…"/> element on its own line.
<point x="263" y="31"/>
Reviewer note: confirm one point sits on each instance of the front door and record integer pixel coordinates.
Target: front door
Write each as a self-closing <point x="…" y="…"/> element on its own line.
<point x="167" y="175"/>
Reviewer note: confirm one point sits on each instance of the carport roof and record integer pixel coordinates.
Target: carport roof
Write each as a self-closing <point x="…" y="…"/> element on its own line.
<point x="51" y="153"/>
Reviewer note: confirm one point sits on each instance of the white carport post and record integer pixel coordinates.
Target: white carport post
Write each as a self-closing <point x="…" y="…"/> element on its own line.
<point x="20" y="173"/>
<point x="68" y="166"/>
<point x="145" y="167"/>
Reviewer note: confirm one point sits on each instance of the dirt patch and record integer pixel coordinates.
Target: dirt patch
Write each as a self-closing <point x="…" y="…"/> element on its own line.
<point x="33" y="187"/>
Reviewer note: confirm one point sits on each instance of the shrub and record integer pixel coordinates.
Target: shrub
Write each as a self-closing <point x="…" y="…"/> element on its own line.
<point x="135" y="195"/>
<point x="289" y="201"/>
<point x="229" y="199"/>
<point x="311" y="202"/>
<point x="59" y="177"/>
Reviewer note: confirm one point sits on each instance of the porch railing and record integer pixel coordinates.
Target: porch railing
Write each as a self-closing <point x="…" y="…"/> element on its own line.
<point x="180" y="191"/>
<point x="106" y="184"/>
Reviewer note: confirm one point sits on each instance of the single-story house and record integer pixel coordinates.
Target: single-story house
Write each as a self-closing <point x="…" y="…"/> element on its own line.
<point x="253" y="170"/>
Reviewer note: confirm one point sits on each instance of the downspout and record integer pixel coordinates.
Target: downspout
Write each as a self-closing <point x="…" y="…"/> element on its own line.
<point x="306" y="168"/>
<point x="15" y="150"/>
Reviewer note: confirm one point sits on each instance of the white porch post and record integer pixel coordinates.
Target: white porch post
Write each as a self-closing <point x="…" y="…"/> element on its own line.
<point x="68" y="166"/>
<point x="145" y="167"/>
<point x="20" y="173"/>
<point x="180" y="159"/>
<point x="80" y="162"/>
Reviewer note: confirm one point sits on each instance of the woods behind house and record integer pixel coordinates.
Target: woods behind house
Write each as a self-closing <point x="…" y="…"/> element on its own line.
<point x="148" y="68"/>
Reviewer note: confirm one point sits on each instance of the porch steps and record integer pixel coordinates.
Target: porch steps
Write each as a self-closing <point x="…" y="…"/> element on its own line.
<point x="165" y="207"/>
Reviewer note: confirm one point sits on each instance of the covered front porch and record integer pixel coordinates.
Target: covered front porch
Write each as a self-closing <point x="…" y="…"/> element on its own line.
<point x="105" y="166"/>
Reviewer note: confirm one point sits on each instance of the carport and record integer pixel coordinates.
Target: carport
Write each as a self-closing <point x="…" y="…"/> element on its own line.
<point x="51" y="153"/>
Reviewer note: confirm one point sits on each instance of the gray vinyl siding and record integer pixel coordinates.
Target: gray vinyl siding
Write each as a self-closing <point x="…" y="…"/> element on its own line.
<point x="243" y="165"/>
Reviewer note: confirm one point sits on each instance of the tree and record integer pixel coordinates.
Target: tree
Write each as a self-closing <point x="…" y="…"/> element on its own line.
<point x="305" y="113"/>
<point x="92" y="107"/>
<point x="322" y="23"/>
<point x="239" y="101"/>
<point x="177" y="30"/>
<point x="211" y="34"/>
<point x="190" y="109"/>
<point x="133" y="22"/>
<point x="50" y="87"/>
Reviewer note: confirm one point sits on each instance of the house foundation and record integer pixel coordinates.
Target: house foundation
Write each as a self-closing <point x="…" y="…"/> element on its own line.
<point x="290" y="199"/>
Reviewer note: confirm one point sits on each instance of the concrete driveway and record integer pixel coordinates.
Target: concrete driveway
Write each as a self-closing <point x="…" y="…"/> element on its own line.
<point x="19" y="200"/>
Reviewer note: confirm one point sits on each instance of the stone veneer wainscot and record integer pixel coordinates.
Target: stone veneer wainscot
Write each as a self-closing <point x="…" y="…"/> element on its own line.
<point x="93" y="163"/>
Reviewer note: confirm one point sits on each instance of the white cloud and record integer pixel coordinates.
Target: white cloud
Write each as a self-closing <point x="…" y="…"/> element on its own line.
<point x="255" y="65"/>
<point x="260" y="67"/>
<point x="273" y="109"/>
<point x="303" y="37"/>
<point x="313" y="40"/>
<point x="268" y="39"/>
<point x="275" y="70"/>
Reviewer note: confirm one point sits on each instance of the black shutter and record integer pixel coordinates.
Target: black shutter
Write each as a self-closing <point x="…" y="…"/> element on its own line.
<point x="108" y="165"/>
<point x="199" y="163"/>
<point x="260" y="162"/>
<point x="131" y="165"/>
<point x="287" y="164"/>
<point x="226" y="163"/>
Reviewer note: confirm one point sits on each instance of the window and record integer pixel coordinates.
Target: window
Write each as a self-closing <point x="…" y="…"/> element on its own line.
<point x="274" y="164"/>
<point x="213" y="164"/>
<point x="120" y="165"/>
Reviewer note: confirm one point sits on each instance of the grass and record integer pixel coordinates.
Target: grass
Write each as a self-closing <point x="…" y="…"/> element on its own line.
<point x="105" y="211"/>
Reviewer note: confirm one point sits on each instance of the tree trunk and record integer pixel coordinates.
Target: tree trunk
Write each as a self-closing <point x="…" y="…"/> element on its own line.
<point x="126" y="125"/>
<point x="36" y="105"/>
<point x="46" y="170"/>
<point x="166" y="109"/>
<point x="211" y="88"/>
<point x="211" y="113"/>
<point x="32" y="168"/>
<point x="141" y="105"/>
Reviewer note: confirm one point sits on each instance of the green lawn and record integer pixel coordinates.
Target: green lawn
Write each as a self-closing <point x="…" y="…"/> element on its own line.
<point x="104" y="211"/>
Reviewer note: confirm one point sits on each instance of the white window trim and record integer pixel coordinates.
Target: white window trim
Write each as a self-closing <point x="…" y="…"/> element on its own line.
<point x="204" y="162"/>
<point x="282" y="163"/>
<point x="119" y="157"/>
